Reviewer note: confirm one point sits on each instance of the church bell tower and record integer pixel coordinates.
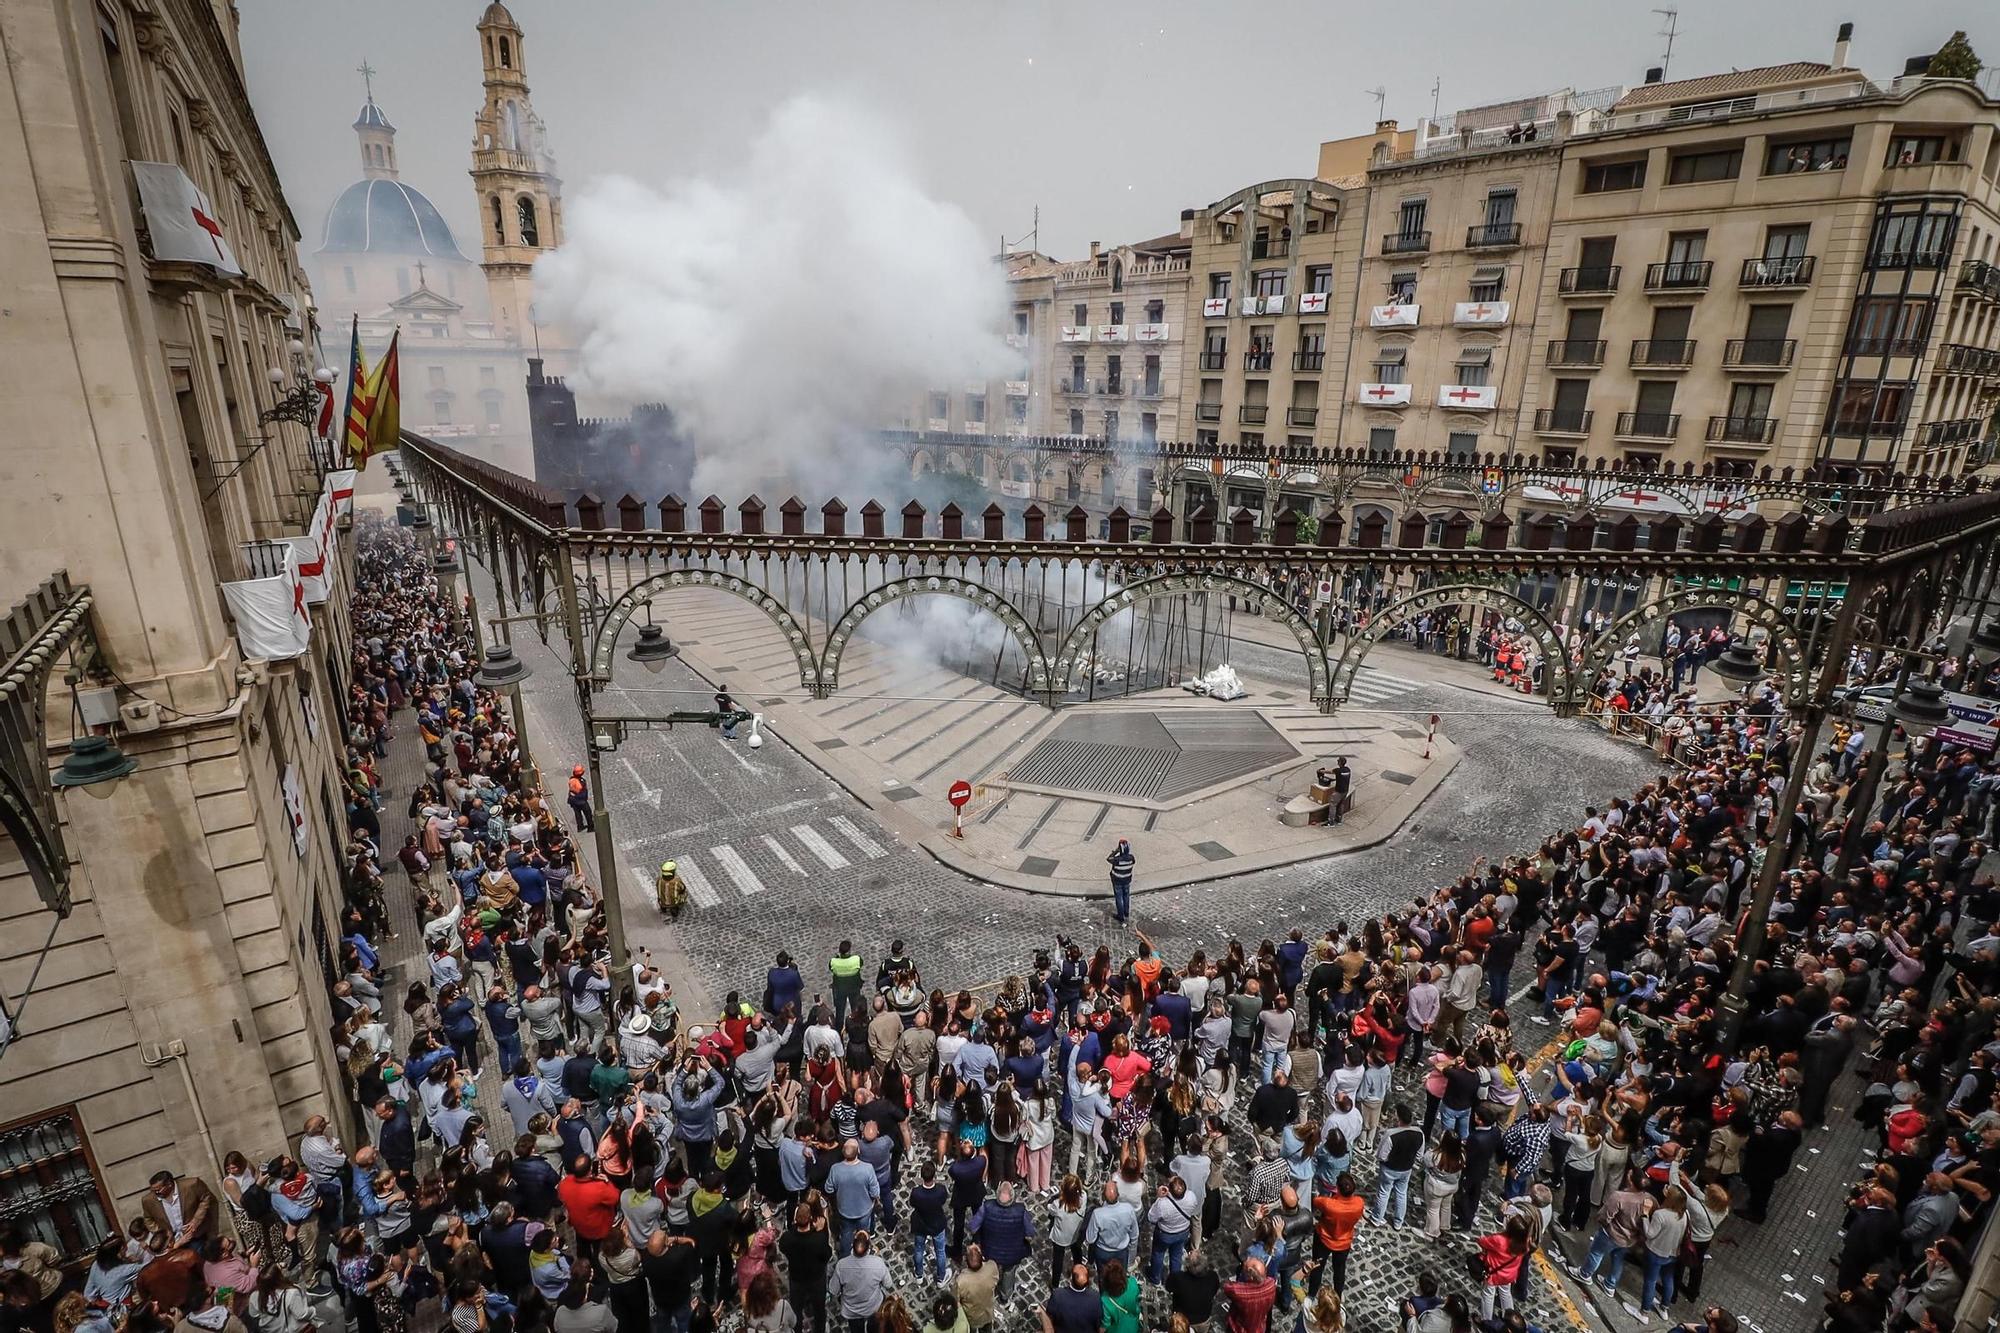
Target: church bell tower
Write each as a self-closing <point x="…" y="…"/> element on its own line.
<point x="520" y="195"/>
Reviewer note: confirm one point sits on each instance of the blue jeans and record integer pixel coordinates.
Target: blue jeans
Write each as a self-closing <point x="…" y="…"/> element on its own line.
<point x="1393" y="1184"/>
<point x="848" y="1227"/>
<point x="1121" y="898"/>
<point x="1602" y="1247"/>
<point x="1456" y="1122"/>
<point x="510" y="1053"/>
<point x="1660" y="1271"/>
<point x="1270" y="1063"/>
<point x="1172" y="1248"/>
<point x="932" y="1247"/>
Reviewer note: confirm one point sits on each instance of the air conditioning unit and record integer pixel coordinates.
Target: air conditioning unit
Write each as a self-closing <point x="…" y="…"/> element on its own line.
<point x="139" y="716"/>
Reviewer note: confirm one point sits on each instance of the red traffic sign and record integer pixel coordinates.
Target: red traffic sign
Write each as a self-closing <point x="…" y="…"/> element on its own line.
<point x="960" y="793"/>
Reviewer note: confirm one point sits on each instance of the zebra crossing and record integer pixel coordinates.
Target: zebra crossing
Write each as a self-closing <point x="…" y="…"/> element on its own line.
<point x="775" y="859"/>
<point x="1372" y="687"/>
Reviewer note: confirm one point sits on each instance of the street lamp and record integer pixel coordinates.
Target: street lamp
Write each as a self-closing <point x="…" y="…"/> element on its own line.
<point x="653" y="650"/>
<point x="502" y="670"/>
<point x="91" y="760"/>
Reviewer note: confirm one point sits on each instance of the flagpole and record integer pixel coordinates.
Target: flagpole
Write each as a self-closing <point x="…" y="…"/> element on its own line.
<point x="347" y="407"/>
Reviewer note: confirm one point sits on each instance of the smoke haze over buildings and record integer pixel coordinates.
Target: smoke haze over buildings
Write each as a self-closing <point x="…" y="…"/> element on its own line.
<point x="784" y="310"/>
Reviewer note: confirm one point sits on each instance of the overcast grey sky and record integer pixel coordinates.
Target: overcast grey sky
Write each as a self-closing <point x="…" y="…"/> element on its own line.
<point x="1111" y="116"/>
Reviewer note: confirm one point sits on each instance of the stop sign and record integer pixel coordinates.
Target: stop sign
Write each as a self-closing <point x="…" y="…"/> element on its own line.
<point x="960" y="793"/>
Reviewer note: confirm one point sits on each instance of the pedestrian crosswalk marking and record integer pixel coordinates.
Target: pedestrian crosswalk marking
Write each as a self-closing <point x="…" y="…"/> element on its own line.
<point x="869" y="848"/>
<point x="733" y="865"/>
<point x="818" y="846"/>
<point x="779" y="850"/>
<point x="700" y="891"/>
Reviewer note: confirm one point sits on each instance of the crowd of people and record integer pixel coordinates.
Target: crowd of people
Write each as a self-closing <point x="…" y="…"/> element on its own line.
<point x="1110" y="1138"/>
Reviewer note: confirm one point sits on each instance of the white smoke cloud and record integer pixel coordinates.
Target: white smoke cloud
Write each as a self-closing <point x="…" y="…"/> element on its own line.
<point x="786" y="311"/>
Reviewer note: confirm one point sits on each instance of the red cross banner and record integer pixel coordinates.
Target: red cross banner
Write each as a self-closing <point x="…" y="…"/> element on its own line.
<point x="1480" y="312"/>
<point x="270" y="614"/>
<point x="1468" y="397"/>
<point x="1383" y="395"/>
<point x="1312" y="303"/>
<point x="182" y="224"/>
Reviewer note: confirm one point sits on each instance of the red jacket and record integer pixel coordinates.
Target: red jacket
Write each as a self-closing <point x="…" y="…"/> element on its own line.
<point x="1502" y="1264"/>
<point x="592" y="1206"/>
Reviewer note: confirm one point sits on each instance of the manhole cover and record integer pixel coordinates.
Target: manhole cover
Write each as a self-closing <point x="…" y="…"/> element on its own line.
<point x="1159" y="757"/>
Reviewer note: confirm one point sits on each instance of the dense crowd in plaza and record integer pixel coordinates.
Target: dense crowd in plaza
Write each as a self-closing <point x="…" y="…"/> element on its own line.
<point x="1110" y="1138"/>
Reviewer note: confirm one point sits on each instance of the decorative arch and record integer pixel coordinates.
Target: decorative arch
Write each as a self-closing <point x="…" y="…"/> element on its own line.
<point x="1070" y="657"/>
<point x="605" y="644"/>
<point x="1784" y="636"/>
<point x="925" y="585"/>
<point x="1561" y="680"/>
<point x="1625" y="483"/>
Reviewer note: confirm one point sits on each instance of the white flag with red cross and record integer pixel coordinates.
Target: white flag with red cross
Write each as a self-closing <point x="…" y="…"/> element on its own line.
<point x="182" y="223"/>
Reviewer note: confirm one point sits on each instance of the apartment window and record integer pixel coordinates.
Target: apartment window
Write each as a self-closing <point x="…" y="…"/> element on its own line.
<point x="1391" y="365"/>
<point x="1410" y="217"/>
<point x="1475" y="365"/>
<point x="1870" y="407"/>
<point x="1487" y="283"/>
<point x="1787" y="242"/>
<point x="1149" y="431"/>
<point x="1076" y="421"/>
<point x="1402" y="288"/>
<point x="1204" y="438"/>
<point x="1110" y="433"/>
<point x="1268" y="282"/>
<point x="1705" y="164"/>
<point x="486" y="377"/>
<point x="1499" y="209"/>
<point x="1156" y="312"/>
<point x="1604" y="177"/>
<point x="1114" y="373"/>
<point x="1079" y="314"/>
<point x="1319" y="278"/>
<point x="1685" y="248"/>
<point x="492" y="406"/>
<point x="1767" y="324"/>
<point x="1909" y="150"/>
<point x="1749" y="403"/>
<point x="940" y="406"/>
<point x="975" y="408"/>
<point x="1572" y="396"/>
<point x="1782" y="159"/>
<point x="1585" y="323"/>
<point x="1912" y="236"/>
<point x="1560" y="459"/>
<point x="1891" y="325"/>
<point x="436" y="376"/>
<point x="1077" y="380"/>
<point x="441" y="411"/>
<point x="1461" y="446"/>
<point x="49" y="1190"/>
<point x="1218" y="286"/>
<point x="1021" y="323"/>
<point x="1117" y="312"/>
<point x="1017" y="410"/>
<point x="1152" y="376"/>
<point x="1381" y="439"/>
<point x="1312" y="339"/>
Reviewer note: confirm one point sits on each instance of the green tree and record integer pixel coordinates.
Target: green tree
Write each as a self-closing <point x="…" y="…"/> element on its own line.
<point x="1955" y="60"/>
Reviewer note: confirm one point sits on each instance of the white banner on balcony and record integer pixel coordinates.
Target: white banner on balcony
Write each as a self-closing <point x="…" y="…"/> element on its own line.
<point x="1252" y="305"/>
<point x="1020" y="490"/>
<point x="180" y="220"/>
<point x="316" y="548"/>
<point x="1392" y="317"/>
<point x="1468" y="397"/>
<point x="1480" y="312"/>
<point x="1383" y="395"/>
<point x="1274" y="305"/>
<point x="1312" y="303"/>
<point x="295" y="802"/>
<point x="1076" y="333"/>
<point x="1111" y="333"/>
<point x="270" y="614"/>
<point x="1017" y="388"/>
<point x="1150" y="333"/>
<point x="1215" y="307"/>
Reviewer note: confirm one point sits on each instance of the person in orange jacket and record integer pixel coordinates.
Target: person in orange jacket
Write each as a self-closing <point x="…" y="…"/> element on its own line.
<point x="579" y="800"/>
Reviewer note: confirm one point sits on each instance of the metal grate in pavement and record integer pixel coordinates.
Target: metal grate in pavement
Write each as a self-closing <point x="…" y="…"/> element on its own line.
<point x="1157" y="756"/>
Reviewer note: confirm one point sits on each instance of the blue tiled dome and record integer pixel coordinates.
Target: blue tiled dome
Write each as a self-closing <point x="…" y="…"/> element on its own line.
<point x="387" y="217"/>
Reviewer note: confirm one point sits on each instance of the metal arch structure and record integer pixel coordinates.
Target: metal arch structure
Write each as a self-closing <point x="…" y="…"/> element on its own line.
<point x="52" y="623"/>
<point x="1561" y="681"/>
<point x="932" y="585"/>
<point x="1784" y="636"/>
<point x="1070" y="657"/>
<point x="604" y="643"/>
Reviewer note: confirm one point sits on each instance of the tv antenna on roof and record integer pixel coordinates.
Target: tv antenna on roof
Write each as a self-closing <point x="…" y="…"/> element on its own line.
<point x="1381" y="96"/>
<point x="1437" y="86"/>
<point x="1670" y="31"/>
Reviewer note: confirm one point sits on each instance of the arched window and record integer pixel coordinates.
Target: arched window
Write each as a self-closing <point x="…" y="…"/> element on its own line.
<point x="524" y="208"/>
<point x="506" y="54"/>
<point x="499" y="223"/>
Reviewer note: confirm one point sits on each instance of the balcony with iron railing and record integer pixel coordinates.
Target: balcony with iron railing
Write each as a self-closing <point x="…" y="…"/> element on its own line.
<point x="1751" y="354"/>
<point x="1680" y="275"/>
<point x="1663" y="353"/>
<point x="1257" y="360"/>
<point x="1214" y="360"/>
<point x="1742" y="430"/>
<point x="1962" y="359"/>
<point x="1589" y="280"/>
<point x="264" y="559"/>
<point x="1309" y="362"/>
<point x="1074" y="386"/>
<point x="1252" y="414"/>
<point x="1576" y="353"/>
<point x="1150" y="389"/>
<point x="1910" y="256"/>
<point x="1302" y="418"/>
<point x="1112" y="388"/>
<point x="1563" y="420"/>
<point x="1492" y="235"/>
<point x="1406" y="242"/>
<point x="1208" y="411"/>
<point x="1981" y="279"/>
<point x="1768" y="271"/>
<point x="1866" y="427"/>
<point x="1937" y="434"/>
<point x="1649" y="425"/>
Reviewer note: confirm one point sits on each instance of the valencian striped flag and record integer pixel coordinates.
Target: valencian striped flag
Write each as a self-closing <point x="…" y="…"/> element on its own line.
<point x="385" y="425"/>
<point x="354" y="435"/>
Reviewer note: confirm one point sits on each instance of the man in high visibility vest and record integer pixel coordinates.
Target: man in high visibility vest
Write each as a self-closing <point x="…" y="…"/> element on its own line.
<point x="846" y="969"/>
<point x="669" y="890"/>
<point x="579" y="800"/>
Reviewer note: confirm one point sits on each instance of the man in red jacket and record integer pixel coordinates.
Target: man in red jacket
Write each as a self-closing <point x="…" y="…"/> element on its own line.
<point x="1251" y="1297"/>
<point x="592" y="1204"/>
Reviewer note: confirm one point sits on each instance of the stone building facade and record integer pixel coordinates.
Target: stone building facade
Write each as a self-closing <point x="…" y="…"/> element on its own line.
<point x="178" y="1009"/>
